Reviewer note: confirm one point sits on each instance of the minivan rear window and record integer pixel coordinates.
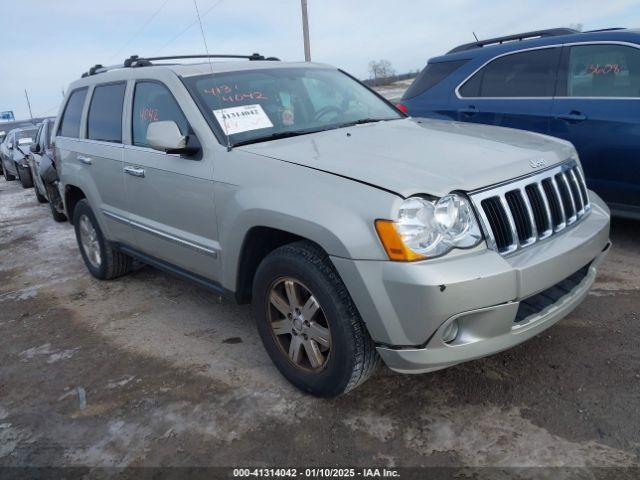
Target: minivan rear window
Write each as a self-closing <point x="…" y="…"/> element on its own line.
<point x="104" y="121"/>
<point x="432" y="75"/>
<point x="70" y="123"/>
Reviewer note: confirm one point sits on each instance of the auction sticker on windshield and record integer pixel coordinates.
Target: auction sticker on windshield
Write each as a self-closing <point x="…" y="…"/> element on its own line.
<point x="242" y="119"/>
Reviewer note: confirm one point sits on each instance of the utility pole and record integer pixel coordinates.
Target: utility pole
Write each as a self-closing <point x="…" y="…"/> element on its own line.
<point x="305" y="31"/>
<point x="28" y="104"/>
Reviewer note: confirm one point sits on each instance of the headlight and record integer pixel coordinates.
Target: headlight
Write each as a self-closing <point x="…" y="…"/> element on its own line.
<point x="427" y="228"/>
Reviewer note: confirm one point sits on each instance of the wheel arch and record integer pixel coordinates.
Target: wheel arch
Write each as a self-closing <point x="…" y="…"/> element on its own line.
<point x="72" y="195"/>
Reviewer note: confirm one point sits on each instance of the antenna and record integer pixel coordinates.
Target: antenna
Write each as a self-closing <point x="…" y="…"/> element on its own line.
<point x="28" y="104"/>
<point x="476" y="37"/>
<point x="204" y="39"/>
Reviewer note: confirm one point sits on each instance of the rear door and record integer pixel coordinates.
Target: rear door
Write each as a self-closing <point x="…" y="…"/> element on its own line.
<point x="170" y="196"/>
<point x="100" y="155"/>
<point x="598" y="110"/>
<point x="514" y="90"/>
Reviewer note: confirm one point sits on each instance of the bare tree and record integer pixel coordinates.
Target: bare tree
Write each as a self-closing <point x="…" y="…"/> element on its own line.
<point x="381" y="69"/>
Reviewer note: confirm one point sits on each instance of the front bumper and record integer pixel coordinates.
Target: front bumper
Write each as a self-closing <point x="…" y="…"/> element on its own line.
<point x="408" y="306"/>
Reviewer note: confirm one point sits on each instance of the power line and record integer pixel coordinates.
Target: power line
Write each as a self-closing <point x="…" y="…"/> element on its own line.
<point x="140" y="30"/>
<point x="181" y="32"/>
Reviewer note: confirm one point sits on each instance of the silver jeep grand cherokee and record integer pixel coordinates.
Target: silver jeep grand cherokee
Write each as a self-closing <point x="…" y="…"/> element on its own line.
<point x="356" y="232"/>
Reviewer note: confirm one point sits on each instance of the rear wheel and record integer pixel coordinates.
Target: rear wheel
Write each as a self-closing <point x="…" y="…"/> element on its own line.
<point x="101" y="258"/>
<point x="24" y="175"/>
<point x="308" y="323"/>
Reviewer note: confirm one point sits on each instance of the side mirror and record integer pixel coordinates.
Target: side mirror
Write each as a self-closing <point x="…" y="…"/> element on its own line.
<point x="34" y="148"/>
<point x="10" y="146"/>
<point x="165" y="136"/>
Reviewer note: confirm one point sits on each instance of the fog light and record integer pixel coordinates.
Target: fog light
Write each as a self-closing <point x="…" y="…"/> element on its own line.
<point x="450" y="332"/>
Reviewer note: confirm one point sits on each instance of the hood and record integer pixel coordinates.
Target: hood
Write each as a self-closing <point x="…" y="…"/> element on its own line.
<point x="412" y="156"/>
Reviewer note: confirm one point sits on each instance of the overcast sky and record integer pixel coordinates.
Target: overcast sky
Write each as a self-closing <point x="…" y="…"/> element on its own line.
<point x="47" y="44"/>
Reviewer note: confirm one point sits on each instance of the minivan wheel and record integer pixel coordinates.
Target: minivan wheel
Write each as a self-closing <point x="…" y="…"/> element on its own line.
<point x="308" y="323"/>
<point x="101" y="258"/>
<point x="8" y="176"/>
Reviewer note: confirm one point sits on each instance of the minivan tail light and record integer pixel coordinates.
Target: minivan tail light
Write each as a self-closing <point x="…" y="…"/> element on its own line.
<point x="402" y="107"/>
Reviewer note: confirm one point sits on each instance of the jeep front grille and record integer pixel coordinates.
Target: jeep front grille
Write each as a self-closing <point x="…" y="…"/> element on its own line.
<point x="518" y="214"/>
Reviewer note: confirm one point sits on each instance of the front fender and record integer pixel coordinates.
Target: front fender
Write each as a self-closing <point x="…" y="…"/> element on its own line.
<point x="336" y="213"/>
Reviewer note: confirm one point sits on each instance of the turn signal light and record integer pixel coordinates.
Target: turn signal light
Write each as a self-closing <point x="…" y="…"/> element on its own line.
<point x="393" y="244"/>
<point x="402" y="107"/>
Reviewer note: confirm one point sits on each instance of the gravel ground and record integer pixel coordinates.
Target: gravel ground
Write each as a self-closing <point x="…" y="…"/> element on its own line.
<point x="149" y="370"/>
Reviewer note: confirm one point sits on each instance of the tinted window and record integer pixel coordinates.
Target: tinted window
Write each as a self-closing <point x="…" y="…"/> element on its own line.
<point x="104" y="121"/>
<point x="432" y="74"/>
<point x="603" y="71"/>
<point x="153" y="102"/>
<point x="526" y="74"/>
<point x="70" y="124"/>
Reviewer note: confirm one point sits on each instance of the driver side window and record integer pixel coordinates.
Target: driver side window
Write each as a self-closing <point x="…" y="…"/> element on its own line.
<point x="153" y="102"/>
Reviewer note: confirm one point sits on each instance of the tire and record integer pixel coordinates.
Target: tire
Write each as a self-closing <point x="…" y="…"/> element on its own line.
<point x="54" y="198"/>
<point x="8" y="177"/>
<point x="351" y="358"/>
<point x="24" y="175"/>
<point x="41" y="198"/>
<point x="110" y="262"/>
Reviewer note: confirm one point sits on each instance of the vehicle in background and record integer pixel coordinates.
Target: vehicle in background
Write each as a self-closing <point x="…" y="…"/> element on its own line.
<point x="3" y="137"/>
<point x="43" y="170"/>
<point x="14" y="155"/>
<point x="356" y="232"/>
<point x="581" y="87"/>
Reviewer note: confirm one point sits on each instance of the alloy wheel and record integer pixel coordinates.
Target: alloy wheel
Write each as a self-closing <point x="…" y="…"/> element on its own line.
<point x="89" y="241"/>
<point x="298" y="324"/>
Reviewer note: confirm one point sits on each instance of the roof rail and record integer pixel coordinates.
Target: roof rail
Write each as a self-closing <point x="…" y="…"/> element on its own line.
<point x="551" y="32"/>
<point x="137" y="61"/>
<point x="611" y="29"/>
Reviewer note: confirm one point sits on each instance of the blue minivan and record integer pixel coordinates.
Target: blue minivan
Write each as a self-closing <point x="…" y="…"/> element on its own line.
<point x="580" y="86"/>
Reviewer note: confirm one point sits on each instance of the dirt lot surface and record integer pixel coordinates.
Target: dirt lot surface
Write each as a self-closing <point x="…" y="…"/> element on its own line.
<point x="152" y="370"/>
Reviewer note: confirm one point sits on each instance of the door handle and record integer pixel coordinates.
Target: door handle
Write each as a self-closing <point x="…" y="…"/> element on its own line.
<point x="136" y="172"/>
<point x="470" y="111"/>
<point x="85" y="160"/>
<point x="573" y="117"/>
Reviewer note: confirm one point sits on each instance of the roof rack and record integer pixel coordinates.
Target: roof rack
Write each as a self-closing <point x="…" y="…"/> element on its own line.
<point x="551" y="32"/>
<point x="136" y="61"/>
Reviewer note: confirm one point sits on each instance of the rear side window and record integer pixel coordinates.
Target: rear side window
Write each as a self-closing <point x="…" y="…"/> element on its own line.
<point x="526" y="74"/>
<point x="432" y="74"/>
<point x="104" y="121"/>
<point x="70" y="123"/>
<point x="153" y="102"/>
<point x="603" y="71"/>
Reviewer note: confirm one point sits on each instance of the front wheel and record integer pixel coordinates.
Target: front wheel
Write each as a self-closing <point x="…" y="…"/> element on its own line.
<point x="308" y="323"/>
<point x="24" y="175"/>
<point x="101" y="258"/>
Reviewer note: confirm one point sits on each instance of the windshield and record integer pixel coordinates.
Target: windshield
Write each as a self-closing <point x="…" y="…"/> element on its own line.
<point x="25" y="137"/>
<point x="260" y="105"/>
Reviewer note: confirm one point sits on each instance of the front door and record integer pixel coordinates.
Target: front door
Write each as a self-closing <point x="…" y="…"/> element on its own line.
<point x="598" y="110"/>
<point x="170" y="197"/>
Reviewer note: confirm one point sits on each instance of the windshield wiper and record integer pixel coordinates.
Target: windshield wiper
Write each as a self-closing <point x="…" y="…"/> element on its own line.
<point x="276" y="136"/>
<point x="364" y="120"/>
